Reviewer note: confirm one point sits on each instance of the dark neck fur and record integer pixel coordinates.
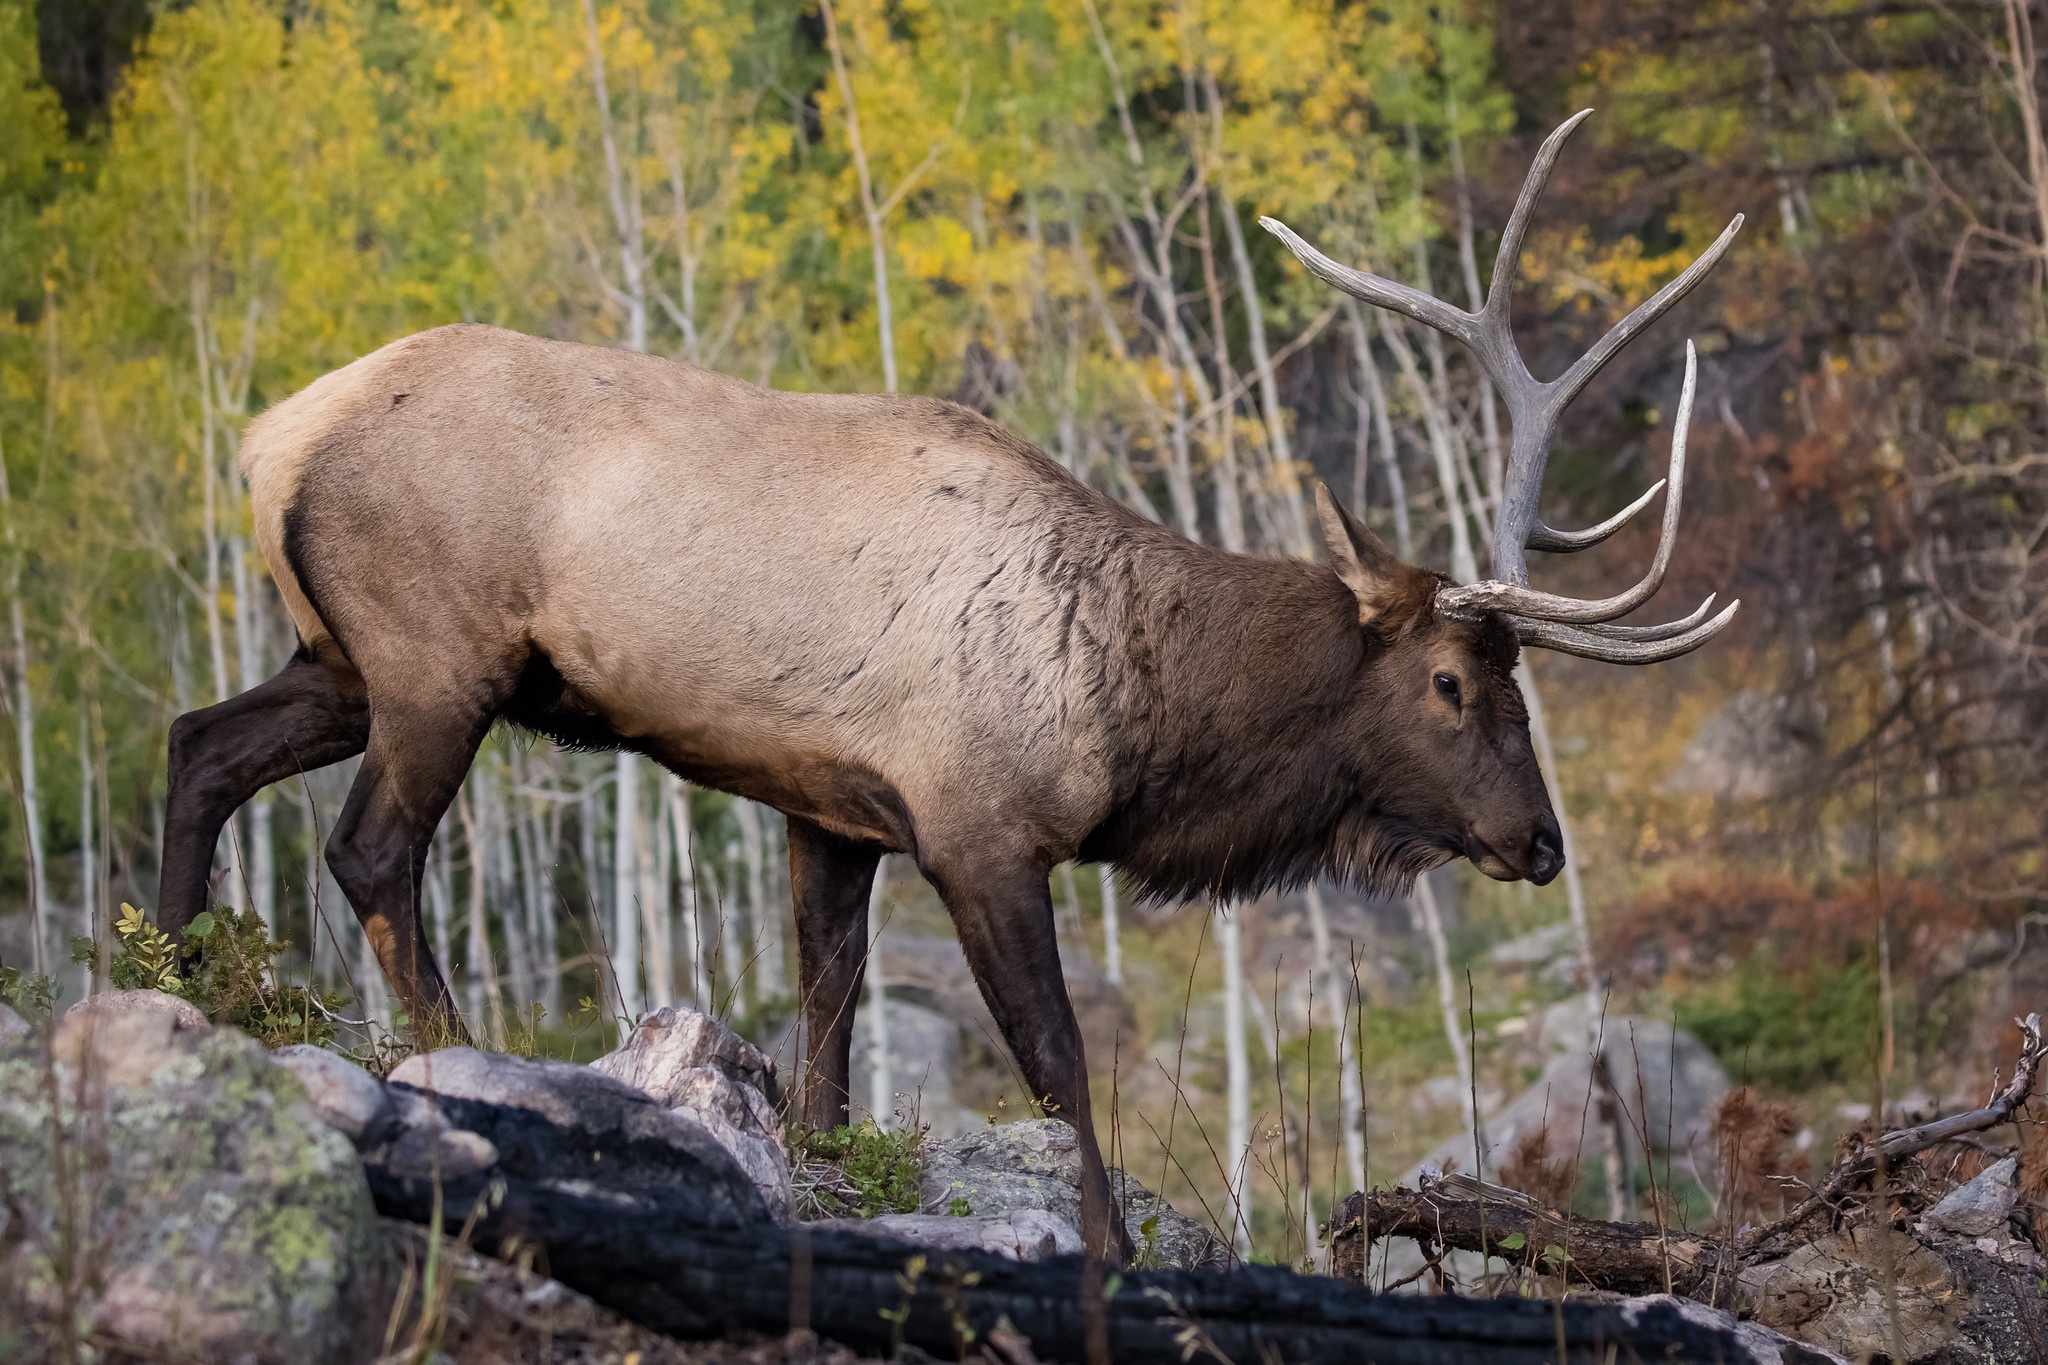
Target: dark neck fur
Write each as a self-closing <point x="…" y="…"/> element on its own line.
<point x="1240" y="777"/>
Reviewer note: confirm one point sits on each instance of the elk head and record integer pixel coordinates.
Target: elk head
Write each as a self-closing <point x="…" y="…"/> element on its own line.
<point x="1461" y="650"/>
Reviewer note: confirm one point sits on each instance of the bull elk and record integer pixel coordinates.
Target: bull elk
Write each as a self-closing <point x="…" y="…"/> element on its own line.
<point x="902" y="627"/>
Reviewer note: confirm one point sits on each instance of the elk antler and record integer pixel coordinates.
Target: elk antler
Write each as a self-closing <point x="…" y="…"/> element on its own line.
<point x="1568" y="624"/>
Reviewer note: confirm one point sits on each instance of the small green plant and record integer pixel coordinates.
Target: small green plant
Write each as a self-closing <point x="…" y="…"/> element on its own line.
<point x="230" y="976"/>
<point x="33" y="994"/>
<point x="958" y="1207"/>
<point x="880" y="1169"/>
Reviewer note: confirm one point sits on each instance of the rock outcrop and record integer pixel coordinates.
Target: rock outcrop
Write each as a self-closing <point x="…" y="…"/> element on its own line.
<point x="168" y="1193"/>
<point x="1036" y="1164"/>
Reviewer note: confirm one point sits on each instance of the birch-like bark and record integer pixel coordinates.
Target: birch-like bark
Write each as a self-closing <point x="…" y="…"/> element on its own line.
<point x="1582" y="939"/>
<point x="655" y="921"/>
<point x="625" y="206"/>
<point x="483" y="967"/>
<point x="250" y="634"/>
<point x="441" y="902"/>
<point x="1286" y="492"/>
<point x="687" y="911"/>
<point x="1373" y="400"/>
<point x="881" y="1085"/>
<point x="1112" y="932"/>
<point x="1350" y="1102"/>
<point x="878" y="250"/>
<point x="1430" y="916"/>
<point x="1237" y="1078"/>
<point x="88" y="844"/>
<point x="39" y="904"/>
<point x="626" y="885"/>
<point x="759" y="929"/>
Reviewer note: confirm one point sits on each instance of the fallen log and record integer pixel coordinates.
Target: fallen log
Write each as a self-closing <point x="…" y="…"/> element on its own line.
<point x="697" y="1268"/>
<point x="1458" y="1213"/>
<point x="1462" y="1214"/>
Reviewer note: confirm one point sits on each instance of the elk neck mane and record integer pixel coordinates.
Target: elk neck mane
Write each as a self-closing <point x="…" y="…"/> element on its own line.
<point x="1238" y="770"/>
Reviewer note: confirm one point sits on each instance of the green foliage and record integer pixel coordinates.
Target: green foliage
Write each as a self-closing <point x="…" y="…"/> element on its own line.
<point x="881" y="1168"/>
<point x="33" y="994"/>
<point x="1789" y="1032"/>
<point x="232" y="978"/>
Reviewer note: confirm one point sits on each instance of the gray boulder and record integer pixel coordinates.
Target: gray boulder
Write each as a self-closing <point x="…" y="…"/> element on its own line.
<point x="1981" y="1207"/>
<point x="1037" y="1165"/>
<point x="220" y="1218"/>
<point x="1670" y="1077"/>
<point x="13" y="1028"/>
<point x="924" y="1052"/>
<point x="669" y="1044"/>
<point x="1019" y="1235"/>
<point x="693" y="1064"/>
<point x="183" y="1014"/>
<point x="347" y="1098"/>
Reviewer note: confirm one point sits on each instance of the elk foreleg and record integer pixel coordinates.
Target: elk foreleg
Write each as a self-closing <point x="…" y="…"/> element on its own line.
<point x="829" y="880"/>
<point x="313" y="713"/>
<point x="415" y="761"/>
<point x="1005" y="923"/>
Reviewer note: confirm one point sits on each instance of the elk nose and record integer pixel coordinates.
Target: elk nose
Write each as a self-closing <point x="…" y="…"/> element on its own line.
<point x="1546" y="855"/>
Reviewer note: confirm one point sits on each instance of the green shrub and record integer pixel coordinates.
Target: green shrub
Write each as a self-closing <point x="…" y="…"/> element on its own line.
<point x="1789" y="1032"/>
<point x="229" y="973"/>
<point x="880" y="1169"/>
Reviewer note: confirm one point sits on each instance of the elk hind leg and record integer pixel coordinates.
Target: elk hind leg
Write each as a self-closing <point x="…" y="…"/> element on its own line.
<point x="313" y="713"/>
<point x="830" y="878"/>
<point x="415" y="761"/>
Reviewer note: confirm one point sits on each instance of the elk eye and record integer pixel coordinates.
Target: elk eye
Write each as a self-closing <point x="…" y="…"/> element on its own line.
<point x="1447" y="687"/>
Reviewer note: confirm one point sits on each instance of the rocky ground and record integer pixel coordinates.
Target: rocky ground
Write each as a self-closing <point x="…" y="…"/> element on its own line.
<point x="170" y="1190"/>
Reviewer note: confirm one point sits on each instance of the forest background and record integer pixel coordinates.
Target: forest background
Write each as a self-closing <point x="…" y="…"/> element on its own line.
<point x="1816" y="843"/>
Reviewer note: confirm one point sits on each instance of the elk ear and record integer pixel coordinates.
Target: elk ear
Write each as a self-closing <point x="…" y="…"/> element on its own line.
<point x="1374" y="573"/>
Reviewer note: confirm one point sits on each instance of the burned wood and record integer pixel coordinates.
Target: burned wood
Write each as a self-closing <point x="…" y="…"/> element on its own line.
<point x="693" y="1268"/>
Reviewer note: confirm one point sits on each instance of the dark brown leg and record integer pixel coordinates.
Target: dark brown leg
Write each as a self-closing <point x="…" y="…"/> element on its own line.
<point x="829" y="880"/>
<point x="414" y="763"/>
<point x="313" y="713"/>
<point x="1004" y="920"/>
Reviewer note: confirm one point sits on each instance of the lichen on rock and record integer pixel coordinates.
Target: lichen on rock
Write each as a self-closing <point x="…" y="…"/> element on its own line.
<point x="167" y="1191"/>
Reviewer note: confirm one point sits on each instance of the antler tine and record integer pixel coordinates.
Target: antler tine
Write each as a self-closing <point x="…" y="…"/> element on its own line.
<point x="1607" y="646"/>
<point x="1568" y="542"/>
<point x="1660" y="632"/>
<point x="1496" y="595"/>
<point x="1507" y="263"/>
<point x="1426" y="309"/>
<point x="1566" y="386"/>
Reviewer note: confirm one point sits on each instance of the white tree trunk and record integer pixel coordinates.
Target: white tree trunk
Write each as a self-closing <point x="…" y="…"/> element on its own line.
<point x="1237" y="1078"/>
<point x="1112" y="934"/>
<point x="251" y="632"/>
<point x="625" y="885"/>
<point x="441" y="903"/>
<point x="689" y="920"/>
<point x="1350" y="1101"/>
<point x="88" y="844"/>
<point x="654" y="910"/>
<point x="39" y="906"/>
<point x="881" y="1085"/>
<point x="1582" y="937"/>
<point x="760" y="921"/>
<point x="1424" y="902"/>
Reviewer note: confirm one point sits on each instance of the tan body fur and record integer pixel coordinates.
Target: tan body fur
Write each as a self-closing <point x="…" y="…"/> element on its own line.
<point x="886" y="617"/>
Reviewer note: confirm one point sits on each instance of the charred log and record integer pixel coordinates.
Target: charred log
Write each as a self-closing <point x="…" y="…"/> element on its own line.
<point x="695" y="1267"/>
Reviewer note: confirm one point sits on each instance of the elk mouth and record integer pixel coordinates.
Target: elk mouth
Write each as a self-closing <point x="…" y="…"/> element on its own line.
<point x="1542" y="869"/>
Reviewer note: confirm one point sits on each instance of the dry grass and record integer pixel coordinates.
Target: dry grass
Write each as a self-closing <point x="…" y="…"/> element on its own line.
<point x="1752" y="1146"/>
<point x="1531" y="1168"/>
